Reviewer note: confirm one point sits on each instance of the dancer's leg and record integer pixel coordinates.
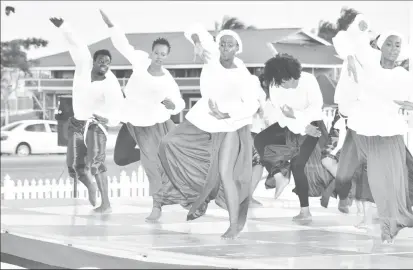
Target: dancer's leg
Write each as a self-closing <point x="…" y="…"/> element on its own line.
<point x="300" y="178"/>
<point x="347" y="166"/>
<point x="75" y="159"/>
<point x="96" y="155"/>
<point x="227" y="158"/>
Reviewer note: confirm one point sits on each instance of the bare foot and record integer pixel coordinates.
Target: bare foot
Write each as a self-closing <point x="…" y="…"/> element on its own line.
<point x="103" y="209"/>
<point x="155" y="215"/>
<point x="386" y="239"/>
<point x="255" y="203"/>
<point x="303" y="217"/>
<point x="231" y="233"/>
<point x="363" y="225"/>
<point x="280" y="183"/>
<point x="343" y="206"/>
<point x="92" y="194"/>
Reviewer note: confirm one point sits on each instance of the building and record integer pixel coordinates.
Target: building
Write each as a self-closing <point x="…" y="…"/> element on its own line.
<point x="55" y="73"/>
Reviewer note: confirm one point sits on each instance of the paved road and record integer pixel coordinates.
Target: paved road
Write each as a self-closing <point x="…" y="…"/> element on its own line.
<point x="49" y="166"/>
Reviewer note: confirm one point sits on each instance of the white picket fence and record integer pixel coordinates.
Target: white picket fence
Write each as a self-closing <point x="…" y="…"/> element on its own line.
<point x="136" y="185"/>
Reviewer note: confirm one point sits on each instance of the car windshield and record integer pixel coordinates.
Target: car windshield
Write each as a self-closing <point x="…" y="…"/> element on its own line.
<point x="10" y="127"/>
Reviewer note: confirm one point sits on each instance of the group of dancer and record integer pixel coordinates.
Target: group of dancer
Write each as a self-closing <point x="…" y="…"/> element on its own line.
<point x="244" y="123"/>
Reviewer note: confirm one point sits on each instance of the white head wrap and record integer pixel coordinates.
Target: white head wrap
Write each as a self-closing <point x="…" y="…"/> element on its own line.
<point x="384" y="36"/>
<point x="403" y="49"/>
<point x="232" y="34"/>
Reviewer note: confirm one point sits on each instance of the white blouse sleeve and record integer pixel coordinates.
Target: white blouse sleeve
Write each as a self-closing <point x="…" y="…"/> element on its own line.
<point x="176" y="97"/>
<point x="137" y="58"/>
<point x="315" y="102"/>
<point x="114" y="100"/>
<point x="78" y="49"/>
<point x="206" y="39"/>
<point x="249" y="100"/>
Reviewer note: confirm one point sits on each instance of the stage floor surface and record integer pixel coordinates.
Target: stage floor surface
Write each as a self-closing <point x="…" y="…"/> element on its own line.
<point x="65" y="233"/>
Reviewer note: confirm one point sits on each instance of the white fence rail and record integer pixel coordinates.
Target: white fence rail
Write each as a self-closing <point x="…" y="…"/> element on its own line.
<point x="136" y="185"/>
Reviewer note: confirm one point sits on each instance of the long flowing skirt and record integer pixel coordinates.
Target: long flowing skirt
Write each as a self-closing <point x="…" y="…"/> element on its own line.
<point x="387" y="176"/>
<point x="277" y="157"/>
<point x="190" y="162"/>
<point x="148" y="139"/>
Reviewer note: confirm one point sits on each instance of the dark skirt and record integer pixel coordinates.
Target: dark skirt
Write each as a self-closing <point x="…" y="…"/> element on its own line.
<point x="277" y="159"/>
<point x="148" y="139"/>
<point x="388" y="176"/>
<point x="190" y="177"/>
<point x="360" y="189"/>
<point x="255" y="156"/>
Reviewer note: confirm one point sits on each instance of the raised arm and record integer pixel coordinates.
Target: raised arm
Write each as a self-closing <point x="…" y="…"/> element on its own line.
<point x="121" y="43"/>
<point x="78" y="50"/>
<point x="203" y="40"/>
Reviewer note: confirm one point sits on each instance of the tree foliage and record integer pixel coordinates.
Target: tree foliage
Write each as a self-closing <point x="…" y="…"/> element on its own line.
<point x="14" y="62"/>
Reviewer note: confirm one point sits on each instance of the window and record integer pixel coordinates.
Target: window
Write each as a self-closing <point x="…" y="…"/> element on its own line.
<point x="178" y="73"/>
<point x="53" y="127"/>
<point x="36" y="128"/>
<point x="193" y="101"/>
<point x="10" y="127"/>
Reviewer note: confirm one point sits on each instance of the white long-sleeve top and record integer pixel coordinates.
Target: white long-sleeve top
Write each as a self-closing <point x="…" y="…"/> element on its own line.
<point x="103" y="98"/>
<point x="258" y="122"/>
<point x="371" y="109"/>
<point x="233" y="90"/>
<point x="306" y="101"/>
<point x="145" y="92"/>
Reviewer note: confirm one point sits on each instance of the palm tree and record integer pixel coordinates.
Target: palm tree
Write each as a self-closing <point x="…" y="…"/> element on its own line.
<point x="232" y="23"/>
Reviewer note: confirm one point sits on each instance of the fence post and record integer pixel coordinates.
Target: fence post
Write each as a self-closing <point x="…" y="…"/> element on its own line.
<point x="8" y="188"/>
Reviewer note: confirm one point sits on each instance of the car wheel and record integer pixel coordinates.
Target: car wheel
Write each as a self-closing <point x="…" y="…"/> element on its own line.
<point x="23" y="150"/>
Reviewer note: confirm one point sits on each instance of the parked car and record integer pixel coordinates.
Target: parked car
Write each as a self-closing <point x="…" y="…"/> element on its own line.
<point x="28" y="137"/>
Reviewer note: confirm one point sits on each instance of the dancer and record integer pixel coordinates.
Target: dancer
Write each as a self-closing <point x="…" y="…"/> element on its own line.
<point x="208" y="156"/>
<point x="259" y="123"/>
<point x="152" y="96"/>
<point x="355" y="28"/>
<point x="296" y="130"/>
<point x="376" y="130"/>
<point x="97" y="99"/>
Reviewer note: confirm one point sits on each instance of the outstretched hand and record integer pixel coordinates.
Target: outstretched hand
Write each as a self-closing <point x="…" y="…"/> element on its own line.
<point x="56" y="21"/>
<point x="215" y="112"/>
<point x="201" y="52"/>
<point x="106" y="18"/>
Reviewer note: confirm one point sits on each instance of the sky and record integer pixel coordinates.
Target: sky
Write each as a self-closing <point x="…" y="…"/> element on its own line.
<point x="31" y="17"/>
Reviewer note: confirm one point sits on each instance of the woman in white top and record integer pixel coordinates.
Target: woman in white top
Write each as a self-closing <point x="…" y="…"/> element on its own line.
<point x="375" y="132"/>
<point x="208" y="156"/>
<point x="151" y="97"/>
<point x="296" y="130"/>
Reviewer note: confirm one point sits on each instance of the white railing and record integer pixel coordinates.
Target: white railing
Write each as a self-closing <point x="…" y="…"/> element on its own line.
<point x="136" y="185"/>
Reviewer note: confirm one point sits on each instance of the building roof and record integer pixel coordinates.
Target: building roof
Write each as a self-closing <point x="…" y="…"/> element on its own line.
<point x="308" y="53"/>
<point x="254" y="43"/>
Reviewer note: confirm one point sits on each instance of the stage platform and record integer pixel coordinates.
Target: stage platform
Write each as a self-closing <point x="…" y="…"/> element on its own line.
<point x="65" y="233"/>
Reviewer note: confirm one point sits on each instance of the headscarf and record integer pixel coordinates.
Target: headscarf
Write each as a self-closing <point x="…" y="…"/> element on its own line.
<point x="384" y="36"/>
<point x="232" y="34"/>
<point x="403" y="52"/>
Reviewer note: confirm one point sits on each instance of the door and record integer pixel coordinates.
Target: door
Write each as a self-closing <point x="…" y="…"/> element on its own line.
<point x="37" y="138"/>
